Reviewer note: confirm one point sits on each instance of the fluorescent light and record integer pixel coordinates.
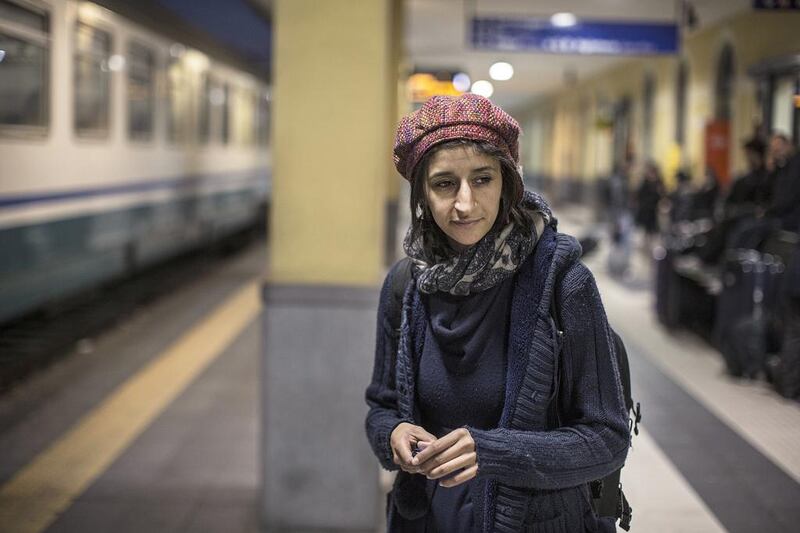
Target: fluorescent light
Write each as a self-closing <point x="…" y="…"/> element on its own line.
<point x="501" y="71"/>
<point x="461" y="82"/>
<point x="483" y="88"/>
<point x="563" y="20"/>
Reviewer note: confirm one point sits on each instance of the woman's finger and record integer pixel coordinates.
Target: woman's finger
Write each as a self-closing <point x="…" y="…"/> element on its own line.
<point x="461" y="462"/>
<point x="462" y="477"/>
<point x="440" y="445"/>
<point x="456" y="450"/>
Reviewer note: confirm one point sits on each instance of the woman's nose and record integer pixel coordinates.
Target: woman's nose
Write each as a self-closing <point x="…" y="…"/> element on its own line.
<point x="464" y="199"/>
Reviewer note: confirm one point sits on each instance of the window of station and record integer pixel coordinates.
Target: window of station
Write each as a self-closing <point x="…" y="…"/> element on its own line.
<point x="725" y="84"/>
<point x="648" y="97"/>
<point x="786" y="105"/>
<point x="24" y="68"/>
<point x="141" y="92"/>
<point x="92" y="81"/>
<point x="681" y="87"/>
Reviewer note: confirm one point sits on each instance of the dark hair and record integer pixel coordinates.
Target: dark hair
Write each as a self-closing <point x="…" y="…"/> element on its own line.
<point x="756" y="145"/>
<point x="422" y="222"/>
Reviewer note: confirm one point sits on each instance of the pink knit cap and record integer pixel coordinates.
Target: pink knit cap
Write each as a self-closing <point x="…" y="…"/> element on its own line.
<point x="443" y="118"/>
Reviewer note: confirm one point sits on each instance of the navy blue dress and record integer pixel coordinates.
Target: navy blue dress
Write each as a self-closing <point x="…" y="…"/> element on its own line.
<point x="461" y="382"/>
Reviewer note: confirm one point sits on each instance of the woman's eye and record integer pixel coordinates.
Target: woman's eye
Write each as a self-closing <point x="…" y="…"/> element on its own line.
<point x="444" y="184"/>
<point x="482" y="180"/>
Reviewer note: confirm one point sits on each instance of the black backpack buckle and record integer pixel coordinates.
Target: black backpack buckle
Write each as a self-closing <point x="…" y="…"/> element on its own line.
<point x="596" y="487"/>
<point x="637" y="417"/>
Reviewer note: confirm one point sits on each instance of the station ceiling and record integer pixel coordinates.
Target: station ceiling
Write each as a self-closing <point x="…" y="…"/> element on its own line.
<point x="437" y="36"/>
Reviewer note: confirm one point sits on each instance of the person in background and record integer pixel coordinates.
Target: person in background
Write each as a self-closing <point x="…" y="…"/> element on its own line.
<point x="621" y="219"/>
<point x="783" y="205"/>
<point x="750" y="190"/>
<point x="707" y="197"/>
<point x="463" y="398"/>
<point x="784" y="164"/>
<point x="648" y="197"/>
<point x="681" y="200"/>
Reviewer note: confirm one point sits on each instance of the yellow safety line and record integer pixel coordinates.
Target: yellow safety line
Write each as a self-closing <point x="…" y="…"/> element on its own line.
<point x="48" y="485"/>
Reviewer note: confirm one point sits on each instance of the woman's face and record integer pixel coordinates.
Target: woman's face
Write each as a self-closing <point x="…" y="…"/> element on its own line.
<point x="463" y="189"/>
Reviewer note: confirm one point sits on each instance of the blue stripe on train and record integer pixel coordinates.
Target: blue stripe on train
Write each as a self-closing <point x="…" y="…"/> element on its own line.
<point x="16" y="200"/>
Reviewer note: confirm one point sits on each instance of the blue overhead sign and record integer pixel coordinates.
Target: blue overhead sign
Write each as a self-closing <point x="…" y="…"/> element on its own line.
<point x="586" y="37"/>
<point x="776" y="4"/>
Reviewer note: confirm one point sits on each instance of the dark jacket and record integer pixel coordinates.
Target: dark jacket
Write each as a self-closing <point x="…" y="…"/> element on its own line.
<point x="533" y="475"/>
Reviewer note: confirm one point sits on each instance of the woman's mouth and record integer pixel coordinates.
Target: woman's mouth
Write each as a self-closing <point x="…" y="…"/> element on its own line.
<point x="466" y="223"/>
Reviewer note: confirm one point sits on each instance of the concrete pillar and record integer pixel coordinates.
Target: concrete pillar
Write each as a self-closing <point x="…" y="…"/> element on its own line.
<point x="334" y="88"/>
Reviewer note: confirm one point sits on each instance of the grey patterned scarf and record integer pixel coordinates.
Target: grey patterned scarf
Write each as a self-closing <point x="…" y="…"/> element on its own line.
<point x="491" y="260"/>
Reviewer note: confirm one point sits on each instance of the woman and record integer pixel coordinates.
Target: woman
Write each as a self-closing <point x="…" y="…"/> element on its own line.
<point x="465" y="398"/>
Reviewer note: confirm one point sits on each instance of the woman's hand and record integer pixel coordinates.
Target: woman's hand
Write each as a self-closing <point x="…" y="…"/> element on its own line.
<point x="406" y="438"/>
<point x="453" y="452"/>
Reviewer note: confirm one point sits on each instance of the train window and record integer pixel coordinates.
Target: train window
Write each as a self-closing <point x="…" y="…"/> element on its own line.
<point x="92" y="80"/>
<point x="177" y="101"/>
<point x="204" y="120"/>
<point x="13" y="13"/>
<point x="225" y="122"/>
<point x="262" y="125"/>
<point x="24" y="67"/>
<point x="141" y="91"/>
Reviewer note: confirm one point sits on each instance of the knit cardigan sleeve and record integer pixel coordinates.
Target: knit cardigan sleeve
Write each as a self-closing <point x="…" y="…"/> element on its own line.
<point x="383" y="415"/>
<point x="594" y="436"/>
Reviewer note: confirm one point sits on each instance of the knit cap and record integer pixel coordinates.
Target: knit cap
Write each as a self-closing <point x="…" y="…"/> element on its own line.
<point x="444" y="118"/>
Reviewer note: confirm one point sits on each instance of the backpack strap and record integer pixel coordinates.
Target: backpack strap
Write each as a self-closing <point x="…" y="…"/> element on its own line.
<point x="401" y="276"/>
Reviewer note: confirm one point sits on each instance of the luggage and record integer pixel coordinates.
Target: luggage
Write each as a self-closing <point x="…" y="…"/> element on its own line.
<point x="784" y="367"/>
<point x="749" y="298"/>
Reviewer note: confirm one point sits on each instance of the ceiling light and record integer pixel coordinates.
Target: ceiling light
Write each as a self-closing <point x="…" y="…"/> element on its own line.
<point x="501" y="71"/>
<point x="461" y="82"/>
<point x="2" y="55"/>
<point x="563" y="20"/>
<point x="483" y="88"/>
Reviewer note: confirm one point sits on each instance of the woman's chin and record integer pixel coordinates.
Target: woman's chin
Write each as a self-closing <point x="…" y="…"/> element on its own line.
<point x="463" y="242"/>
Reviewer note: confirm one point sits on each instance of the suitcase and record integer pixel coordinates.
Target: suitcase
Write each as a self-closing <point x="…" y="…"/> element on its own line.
<point x="751" y="292"/>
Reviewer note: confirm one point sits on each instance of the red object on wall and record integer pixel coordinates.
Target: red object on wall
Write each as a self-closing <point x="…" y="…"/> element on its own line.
<point x="718" y="142"/>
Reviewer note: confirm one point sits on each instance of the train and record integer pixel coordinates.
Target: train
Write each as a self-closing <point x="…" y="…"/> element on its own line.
<point x="120" y="147"/>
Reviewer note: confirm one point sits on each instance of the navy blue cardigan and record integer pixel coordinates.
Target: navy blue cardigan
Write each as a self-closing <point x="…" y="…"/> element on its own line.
<point x="533" y="474"/>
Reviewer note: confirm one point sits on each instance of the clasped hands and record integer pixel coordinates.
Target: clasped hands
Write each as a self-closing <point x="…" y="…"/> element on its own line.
<point x="454" y="453"/>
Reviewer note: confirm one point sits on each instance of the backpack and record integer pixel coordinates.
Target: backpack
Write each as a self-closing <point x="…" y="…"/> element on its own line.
<point x="606" y="503"/>
<point x="608" y="499"/>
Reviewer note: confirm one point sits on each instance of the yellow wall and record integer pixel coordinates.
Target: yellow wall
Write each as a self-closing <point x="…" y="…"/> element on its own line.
<point x="572" y="153"/>
<point x="333" y="109"/>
